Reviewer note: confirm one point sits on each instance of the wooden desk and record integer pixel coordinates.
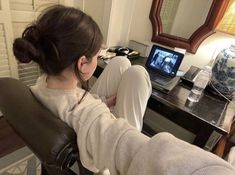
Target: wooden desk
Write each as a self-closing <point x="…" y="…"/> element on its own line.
<point x="200" y="118"/>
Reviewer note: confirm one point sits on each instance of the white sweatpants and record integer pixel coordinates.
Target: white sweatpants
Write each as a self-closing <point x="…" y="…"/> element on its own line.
<point x="132" y="86"/>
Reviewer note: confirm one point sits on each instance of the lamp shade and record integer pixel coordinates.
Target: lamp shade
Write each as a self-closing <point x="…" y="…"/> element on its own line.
<point x="223" y="72"/>
<point x="227" y="24"/>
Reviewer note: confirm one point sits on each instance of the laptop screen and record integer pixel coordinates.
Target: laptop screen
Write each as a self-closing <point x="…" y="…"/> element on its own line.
<point x="164" y="61"/>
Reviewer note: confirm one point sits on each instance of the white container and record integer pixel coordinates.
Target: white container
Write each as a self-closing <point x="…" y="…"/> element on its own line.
<point x="223" y="72"/>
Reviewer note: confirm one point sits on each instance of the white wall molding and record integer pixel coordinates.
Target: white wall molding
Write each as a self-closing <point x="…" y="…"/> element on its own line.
<point x="68" y="2"/>
<point x="79" y="4"/>
<point x="114" y="18"/>
<point x="120" y="22"/>
<point x="128" y="16"/>
<point x="107" y="15"/>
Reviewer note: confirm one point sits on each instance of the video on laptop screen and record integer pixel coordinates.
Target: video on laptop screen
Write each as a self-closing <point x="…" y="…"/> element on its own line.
<point x="164" y="61"/>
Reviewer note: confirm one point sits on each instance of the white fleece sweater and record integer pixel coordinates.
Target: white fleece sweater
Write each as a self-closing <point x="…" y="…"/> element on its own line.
<point x="107" y="142"/>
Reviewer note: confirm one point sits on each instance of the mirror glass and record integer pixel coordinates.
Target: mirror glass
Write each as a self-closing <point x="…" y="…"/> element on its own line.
<point x="185" y="23"/>
<point x="182" y="17"/>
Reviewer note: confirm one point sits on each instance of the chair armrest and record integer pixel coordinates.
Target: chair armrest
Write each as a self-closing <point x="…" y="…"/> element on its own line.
<point x="49" y="138"/>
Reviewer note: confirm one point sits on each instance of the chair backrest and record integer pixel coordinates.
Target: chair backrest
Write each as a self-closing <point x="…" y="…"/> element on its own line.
<point x="49" y="138"/>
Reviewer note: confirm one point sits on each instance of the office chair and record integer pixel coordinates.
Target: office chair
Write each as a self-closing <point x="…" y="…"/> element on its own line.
<point x="48" y="137"/>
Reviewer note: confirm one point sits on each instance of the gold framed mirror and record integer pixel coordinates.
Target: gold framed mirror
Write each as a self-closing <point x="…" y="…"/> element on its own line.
<point x="208" y="12"/>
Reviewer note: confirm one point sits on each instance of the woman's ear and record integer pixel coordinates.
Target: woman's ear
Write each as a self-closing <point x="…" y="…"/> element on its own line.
<point x="82" y="61"/>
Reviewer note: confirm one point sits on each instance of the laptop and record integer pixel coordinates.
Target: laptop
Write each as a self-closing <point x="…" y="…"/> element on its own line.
<point x="162" y="65"/>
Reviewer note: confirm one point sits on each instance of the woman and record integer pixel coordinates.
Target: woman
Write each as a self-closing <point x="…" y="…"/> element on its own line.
<point x="65" y="43"/>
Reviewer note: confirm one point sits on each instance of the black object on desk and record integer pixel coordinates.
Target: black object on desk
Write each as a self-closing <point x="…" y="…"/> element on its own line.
<point x="188" y="77"/>
<point x="125" y="51"/>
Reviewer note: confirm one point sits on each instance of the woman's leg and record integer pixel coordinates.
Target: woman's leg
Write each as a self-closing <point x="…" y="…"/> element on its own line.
<point x="132" y="96"/>
<point x="132" y="86"/>
<point x="108" y="82"/>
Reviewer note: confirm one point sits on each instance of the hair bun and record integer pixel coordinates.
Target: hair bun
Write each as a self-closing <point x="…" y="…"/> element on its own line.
<point x="25" y="51"/>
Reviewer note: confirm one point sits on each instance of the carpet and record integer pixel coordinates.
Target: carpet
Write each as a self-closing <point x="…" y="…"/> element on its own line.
<point x="20" y="162"/>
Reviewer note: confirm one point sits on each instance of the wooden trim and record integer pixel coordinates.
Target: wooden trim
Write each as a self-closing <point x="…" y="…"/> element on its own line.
<point x="223" y="145"/>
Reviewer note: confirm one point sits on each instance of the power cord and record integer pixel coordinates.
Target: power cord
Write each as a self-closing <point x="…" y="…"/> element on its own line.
<point x="230" y="101"/>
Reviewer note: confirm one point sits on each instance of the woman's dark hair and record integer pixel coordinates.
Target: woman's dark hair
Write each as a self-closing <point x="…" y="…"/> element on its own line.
<point x="57" y="39"/>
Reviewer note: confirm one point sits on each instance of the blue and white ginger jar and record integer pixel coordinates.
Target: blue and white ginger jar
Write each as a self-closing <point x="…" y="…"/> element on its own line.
<point x="223" y="72"/>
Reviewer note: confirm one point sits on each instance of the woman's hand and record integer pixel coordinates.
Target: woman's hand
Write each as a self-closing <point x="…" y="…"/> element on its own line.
<point x="111" y="100"/>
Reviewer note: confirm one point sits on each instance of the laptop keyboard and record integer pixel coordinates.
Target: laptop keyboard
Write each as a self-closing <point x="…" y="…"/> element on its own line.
<point x="160" y="79"/>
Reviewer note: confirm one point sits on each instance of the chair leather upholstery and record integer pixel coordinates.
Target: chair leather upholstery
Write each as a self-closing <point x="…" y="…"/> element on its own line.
<point x="49" y="138"/>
